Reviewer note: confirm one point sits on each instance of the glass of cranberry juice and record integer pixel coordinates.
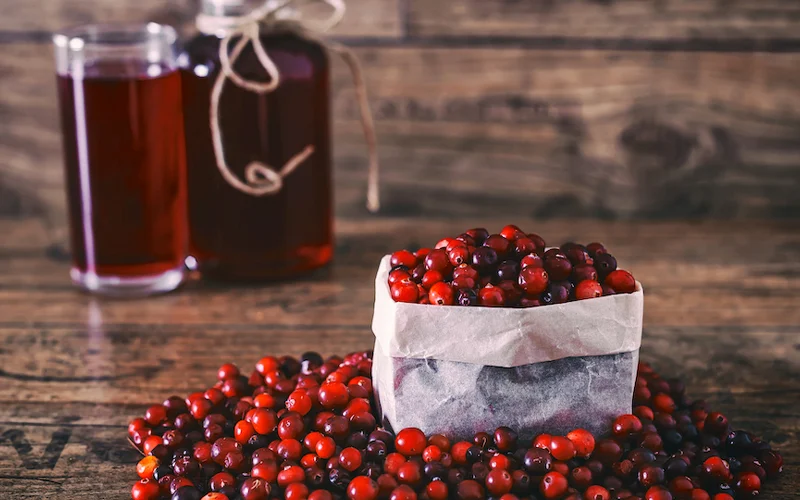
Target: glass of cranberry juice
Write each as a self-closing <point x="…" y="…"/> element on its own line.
<point x="119" y="93"/>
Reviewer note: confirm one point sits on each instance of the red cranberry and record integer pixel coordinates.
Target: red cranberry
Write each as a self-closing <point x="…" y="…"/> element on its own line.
<point x="748" y="484"/>
<point x="664" y="403"/>
<point x="410" y="473"/>
<point x="553" y="485"/>
<point x="583" y="441"/>
<point x="438" y="260"/>
<point x="716" y="470"/>
<point x="403" y="258"/>
<point x="491" y="296"/>
<point x="403" y="492"/>
<point x="626" y="425"/>
<point x="437" y="490"/>
<point x="500" y="245"/>
<point x="458" y="255"/>
<point x="533" y="280"/>
<point x="441" y="294"/>
<point x="499" y="482"/>
<point x="531" y="260"/>
<point x="657" y="493"/>
<point x="362" y="488"/>
<point x="405" y="291"/>
<point x="511" y="232"/>
<point x="562" y="448"/>
<point x="588" y="289"/>
<point x="410" y="441"/>
<point x="146" y="489"/>
<point x="254" y="489"/>
<point x="621" y="281"/>
<point x="596" y="493"/>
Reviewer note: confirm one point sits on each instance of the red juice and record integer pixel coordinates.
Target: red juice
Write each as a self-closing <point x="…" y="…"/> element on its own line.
<point x="235" y="236"/>
<point x="125" y="163"/>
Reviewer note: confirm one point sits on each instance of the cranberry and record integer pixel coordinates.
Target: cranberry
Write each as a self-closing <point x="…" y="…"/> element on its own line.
<point x="410" y="442"/>
<point x="458" y="255"/>
<point x="531" y="260"/>
<point x="533" y="280"/>
<point x="155" y="415"/>
<point x="441" y="294"/>
<point x="466" y="297"/>
<point x="580" y="477"/>
<point x="405" y="291"/>
<point x="664" y="403"/>
<point x="500" y="245"/>
<point x="558" y="292"/>
<point x="621" y="281"/>
<point x="594" y="249"/>
<point x="511" y="232"/>
<point x="626" y="425"/>
<point x="558" y="266"/>
<point x="469" y="490"/>
<point x="773" y="462"/>
<point x="748" y="483"/>
<point x="538" y="461"/>
<point x="437" y="490"/>
<point x="505" y="438"/>
<point x="596" y="493"/>
<point x="605" y="264"/>
<point x="410" y="473"/>
<point x="562" y="448"/>
<point x="607" y="451"/>
<point x="716" y="470"/>
<point x="484" y="258"/>
<point x="403" y="258"/>
<point x="583" y="272"/>
<point x="657" y="493"/>
<point x="499" y="482"/>
<point x="491" y="296"/>
<point x="403" y="492"/>
<point x="146" y="489"/>
<point x="583" y="441"/>
<point x="588" y="289"/>
<point x="553" y="485"/>
<point x="651" y="475"/>
<point x="478" y="234"/>
<point x="507" y="270"/>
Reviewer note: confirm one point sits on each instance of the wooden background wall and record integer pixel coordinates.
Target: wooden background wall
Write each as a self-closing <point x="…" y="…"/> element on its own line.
<point x="596" y="108"/>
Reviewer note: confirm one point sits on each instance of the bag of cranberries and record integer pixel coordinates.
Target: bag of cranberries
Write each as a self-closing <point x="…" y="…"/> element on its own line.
<point x="460" y="370"/>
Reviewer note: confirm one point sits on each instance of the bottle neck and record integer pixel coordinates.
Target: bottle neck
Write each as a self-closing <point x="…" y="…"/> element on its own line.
<point x="221" y="17"/>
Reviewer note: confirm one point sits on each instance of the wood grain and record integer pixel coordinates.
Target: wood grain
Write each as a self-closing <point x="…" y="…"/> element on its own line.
<point x="30" y="17"/>
<point x="720" y="314"/>
<point x="600" y="134"/>
<point x="618" y="20"/>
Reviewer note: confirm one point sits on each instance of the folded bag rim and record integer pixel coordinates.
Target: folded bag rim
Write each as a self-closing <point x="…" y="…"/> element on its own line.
<point x="506" y="337"/>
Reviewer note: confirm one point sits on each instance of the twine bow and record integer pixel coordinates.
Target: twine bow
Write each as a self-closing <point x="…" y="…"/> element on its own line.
<point x="260" y="179"/>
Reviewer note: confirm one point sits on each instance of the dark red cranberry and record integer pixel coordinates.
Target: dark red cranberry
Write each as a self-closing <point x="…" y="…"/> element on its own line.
<point x="559" y="293"/>
<point x="505" y="438"/>
<point x="189" y="493"/>
<point x="467" y="297"/>
<point x="583" y="272"/>
<point x="605" y="264"/>
<point x="772" y="461"/>
<point x="576" y="255"/>
<point x="469" y="490"/>
<point x="651" y="441"/>
<point x="500" y="245"/>
<point x="478" y="234"/>
<point x="558" y="267"/>
<point x="485" y="258"/>
<point x="607" y="451"/>
<point x="651" y="475"/>
<point x="537" y="461"/>
<point x="580" y="478"/>
<point x="507" y="270"/>
<point x="595" y="249"/>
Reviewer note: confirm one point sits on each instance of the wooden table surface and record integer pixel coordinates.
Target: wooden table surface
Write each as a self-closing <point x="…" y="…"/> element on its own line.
<point x="721" y="312"/>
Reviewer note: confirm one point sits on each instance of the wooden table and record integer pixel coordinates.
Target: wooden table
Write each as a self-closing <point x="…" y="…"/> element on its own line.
<point x="721" y="312"/>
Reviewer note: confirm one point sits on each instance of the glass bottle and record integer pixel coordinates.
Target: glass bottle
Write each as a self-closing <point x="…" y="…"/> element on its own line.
<point x="236" y="236"/>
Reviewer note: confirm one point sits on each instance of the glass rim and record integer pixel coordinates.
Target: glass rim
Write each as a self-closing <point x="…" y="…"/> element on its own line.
<point x="114" y="34"/>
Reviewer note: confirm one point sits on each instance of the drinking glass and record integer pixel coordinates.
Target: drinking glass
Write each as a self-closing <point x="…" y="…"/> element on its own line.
<point x="119" y="93"/>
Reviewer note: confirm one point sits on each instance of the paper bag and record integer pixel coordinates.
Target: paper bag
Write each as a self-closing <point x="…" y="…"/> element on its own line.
<point x="459" y="370"/>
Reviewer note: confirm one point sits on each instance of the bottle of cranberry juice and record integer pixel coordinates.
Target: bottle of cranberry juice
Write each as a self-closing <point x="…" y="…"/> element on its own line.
<point x="120" y="99"/>
<point x="235" y="235"/>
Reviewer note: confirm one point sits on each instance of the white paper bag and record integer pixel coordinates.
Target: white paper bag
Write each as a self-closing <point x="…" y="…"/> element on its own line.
<point x="459" y="370"/>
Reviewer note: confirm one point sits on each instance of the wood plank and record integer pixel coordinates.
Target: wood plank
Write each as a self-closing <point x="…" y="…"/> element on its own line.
<point x="555" y="134"/>
<point x="364" y="17"/>
<point x="621" y="19"/>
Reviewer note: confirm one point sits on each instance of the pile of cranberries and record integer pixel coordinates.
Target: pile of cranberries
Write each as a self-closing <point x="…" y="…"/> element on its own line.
<point x="510" y="269"/>
<point x="306" y="429"/>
